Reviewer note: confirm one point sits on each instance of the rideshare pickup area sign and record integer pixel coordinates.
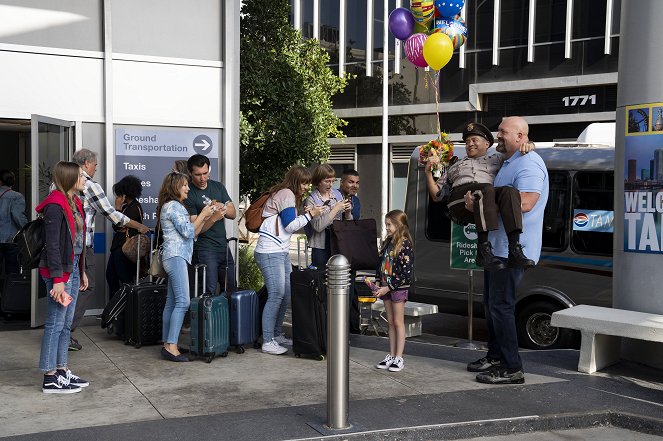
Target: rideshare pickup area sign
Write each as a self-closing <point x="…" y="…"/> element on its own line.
<point x="463" y="247"/>
<point x="150" y="154"/>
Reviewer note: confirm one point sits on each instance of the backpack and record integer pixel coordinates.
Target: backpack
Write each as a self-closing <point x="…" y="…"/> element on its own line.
<point x="253" y="215"/>
<point x="30" y="243"/>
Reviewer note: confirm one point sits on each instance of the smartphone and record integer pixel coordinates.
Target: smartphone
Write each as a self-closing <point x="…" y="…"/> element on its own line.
<point x="327" y="202"/>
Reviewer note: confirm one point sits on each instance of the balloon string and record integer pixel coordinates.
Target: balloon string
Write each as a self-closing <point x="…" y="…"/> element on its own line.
<point x="437" y="100"/>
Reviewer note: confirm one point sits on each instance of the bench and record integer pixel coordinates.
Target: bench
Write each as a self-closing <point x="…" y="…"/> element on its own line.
<point x="413" y="313"/>
<point x="602" y="329"/>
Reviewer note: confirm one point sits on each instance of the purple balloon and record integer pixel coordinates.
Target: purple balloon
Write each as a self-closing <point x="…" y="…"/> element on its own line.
<point x="449" y="8"/>
<point x="414" y="49"/>
<point x="401" y="23"/>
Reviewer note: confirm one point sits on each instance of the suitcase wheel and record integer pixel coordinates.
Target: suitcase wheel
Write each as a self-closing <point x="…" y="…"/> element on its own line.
<point x="209" y="358"/>
<point x="138" y="345"/>
<point x="320" y="357"/>
<point x="256" y="344"/>
<point x="298" y="355"/>
<point x="240" y="349"/>
<point x="110" y="329"/>
<point x="224" y="354"/>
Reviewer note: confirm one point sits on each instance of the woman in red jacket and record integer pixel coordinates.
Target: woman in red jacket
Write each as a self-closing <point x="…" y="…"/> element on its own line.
<point x="62" y="265"/>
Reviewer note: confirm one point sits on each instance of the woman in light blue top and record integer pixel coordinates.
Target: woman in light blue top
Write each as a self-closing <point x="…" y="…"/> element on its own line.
<point x="178" y="234"/>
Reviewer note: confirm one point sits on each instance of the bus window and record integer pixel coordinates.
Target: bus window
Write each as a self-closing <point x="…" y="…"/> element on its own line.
<point x="556" y="215"/>
<point x="438" y="225"/>
<point x="593" y="191"/>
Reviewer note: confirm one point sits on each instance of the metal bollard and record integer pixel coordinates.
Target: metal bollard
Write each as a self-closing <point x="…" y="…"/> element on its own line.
<point x="338" y="351"/>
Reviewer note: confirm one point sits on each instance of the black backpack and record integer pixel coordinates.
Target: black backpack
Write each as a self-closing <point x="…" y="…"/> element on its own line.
<point x="30" y="243"/>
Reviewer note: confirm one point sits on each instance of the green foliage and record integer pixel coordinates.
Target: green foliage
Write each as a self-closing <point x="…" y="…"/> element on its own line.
<point x="250" y="276"/>
<point x="285" y="97"/>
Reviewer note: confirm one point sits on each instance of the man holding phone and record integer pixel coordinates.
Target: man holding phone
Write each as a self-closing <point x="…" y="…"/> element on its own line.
<point x="211" y="247"/>
<point x="349" y="187"/>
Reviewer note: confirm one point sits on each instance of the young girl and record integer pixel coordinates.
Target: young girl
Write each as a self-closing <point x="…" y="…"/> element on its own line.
<point x="272" y="251"/>
<point x="394" y="278"/>
<point x="62" y="266"/>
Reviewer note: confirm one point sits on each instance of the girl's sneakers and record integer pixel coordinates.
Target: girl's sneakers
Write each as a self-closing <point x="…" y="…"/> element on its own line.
<point x="384" y="364"/>
<point x="57" y="384"/>
<point x="397" y="364"/>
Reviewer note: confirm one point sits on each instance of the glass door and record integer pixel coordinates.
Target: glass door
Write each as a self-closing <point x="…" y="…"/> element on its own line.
<point x="52" y="140"/>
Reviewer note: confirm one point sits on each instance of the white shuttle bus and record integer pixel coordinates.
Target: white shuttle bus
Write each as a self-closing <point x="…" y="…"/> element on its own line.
<point x="576" y="260"/>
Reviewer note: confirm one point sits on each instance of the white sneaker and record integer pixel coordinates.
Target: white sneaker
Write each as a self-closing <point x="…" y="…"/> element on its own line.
<point x="283" y="340"/>
<point x="384" y="364"/>
<point x="272" y="347"/>
<point x="397" y="364"/>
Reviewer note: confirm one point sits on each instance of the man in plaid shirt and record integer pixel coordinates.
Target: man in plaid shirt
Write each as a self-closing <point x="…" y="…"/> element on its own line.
<point x="94" y="202"/>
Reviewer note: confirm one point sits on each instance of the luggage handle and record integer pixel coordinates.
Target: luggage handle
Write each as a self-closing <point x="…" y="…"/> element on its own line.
<point x="299" y="252"/>
<point x="138" y="254"/>
<point x="196" y="267"/>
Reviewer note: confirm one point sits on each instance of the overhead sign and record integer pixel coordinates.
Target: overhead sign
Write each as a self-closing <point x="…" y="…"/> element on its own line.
<point x="464" y="247"/>
<point x="150" y="154"/>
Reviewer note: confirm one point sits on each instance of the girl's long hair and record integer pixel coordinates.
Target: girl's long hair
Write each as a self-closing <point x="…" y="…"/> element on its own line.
<point x="294" y="177"/>
<point x="399" y="219"/>
<point x="65" y="177"/>
<point x="170" y="190"/>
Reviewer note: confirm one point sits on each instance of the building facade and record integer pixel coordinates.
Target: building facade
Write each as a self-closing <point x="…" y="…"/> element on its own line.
<point x="552" y="61"/>
<point x="141" y="83"/>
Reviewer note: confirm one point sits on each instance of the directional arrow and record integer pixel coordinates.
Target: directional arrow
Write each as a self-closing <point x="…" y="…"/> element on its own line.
<point x="204" y="144"/>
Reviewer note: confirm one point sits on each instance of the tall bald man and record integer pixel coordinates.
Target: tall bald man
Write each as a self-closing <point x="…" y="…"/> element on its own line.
<point x="528" y="174"/>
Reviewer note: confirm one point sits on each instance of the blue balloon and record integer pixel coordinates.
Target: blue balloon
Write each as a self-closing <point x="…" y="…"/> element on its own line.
<point x="449" y="8"/>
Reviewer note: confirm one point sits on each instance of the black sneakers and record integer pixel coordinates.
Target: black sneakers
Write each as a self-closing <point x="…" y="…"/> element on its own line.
<point x="502" y="376"/>
<point x="486" y="258"/>
<point x="57" y="384"/>
<point x="517" y="258"/>
<point x="483" y="364"/>
<point x="74" y="345"/>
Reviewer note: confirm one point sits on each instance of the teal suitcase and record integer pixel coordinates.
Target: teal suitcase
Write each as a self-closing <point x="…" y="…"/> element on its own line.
<point x="210" y="323"/>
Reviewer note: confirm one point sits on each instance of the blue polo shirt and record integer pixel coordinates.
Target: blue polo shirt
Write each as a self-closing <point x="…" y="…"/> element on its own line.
<point x="527" y="173"/>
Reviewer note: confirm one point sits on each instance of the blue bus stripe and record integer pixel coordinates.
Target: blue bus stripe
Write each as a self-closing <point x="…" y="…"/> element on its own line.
<point x="579" y="260"/>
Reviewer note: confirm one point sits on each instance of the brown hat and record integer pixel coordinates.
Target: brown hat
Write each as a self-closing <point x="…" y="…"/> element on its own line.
<point x="478" y="129"/>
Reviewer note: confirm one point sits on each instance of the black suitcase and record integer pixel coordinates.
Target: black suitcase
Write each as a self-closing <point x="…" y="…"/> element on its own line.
<point x="16" y="294"/>
<point x="309" y="312"/>
<point x="144" y="311"/>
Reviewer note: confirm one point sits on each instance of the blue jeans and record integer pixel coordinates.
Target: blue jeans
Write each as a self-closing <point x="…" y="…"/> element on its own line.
<point x="216" y="269"/>
<point x="276" y="269"/>
<point x="177" y="300"/>
<point x="499" y="298"/>
<point x="57" y="327"/>
<point x="320" y="256"/>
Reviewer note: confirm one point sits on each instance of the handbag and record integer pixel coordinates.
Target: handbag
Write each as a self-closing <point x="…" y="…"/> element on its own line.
<point x="135" y="246"/>
<point x="357" y="241"/>
<point x="156" y="263"/>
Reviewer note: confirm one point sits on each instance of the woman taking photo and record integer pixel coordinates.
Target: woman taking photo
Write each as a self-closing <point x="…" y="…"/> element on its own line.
<point x="62" y="266"/>
<point x="120" y="269"/>
<point x="334" y="207"/>
<point x="178" y="235"/>
<point x="272" y="251"/>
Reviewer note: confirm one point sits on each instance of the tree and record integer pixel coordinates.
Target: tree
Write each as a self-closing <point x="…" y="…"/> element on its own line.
<point x="285" y="97"/>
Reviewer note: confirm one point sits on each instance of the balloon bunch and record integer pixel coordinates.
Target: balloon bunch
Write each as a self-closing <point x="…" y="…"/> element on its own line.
<point x="431" y="30"/>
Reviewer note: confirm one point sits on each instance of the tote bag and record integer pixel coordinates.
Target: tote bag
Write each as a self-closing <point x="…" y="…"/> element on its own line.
<point x="357" y="241"/>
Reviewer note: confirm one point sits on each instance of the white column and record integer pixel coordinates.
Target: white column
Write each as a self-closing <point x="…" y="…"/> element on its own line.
<point x="384" y="200"/>
<point x="531" y="31"/>
<point x="568" y="35"/>
<point x="341" y="37"/>
<point x="496" y="33"/>
<point x="369" y="38"/>
<point x="607" y="48"/>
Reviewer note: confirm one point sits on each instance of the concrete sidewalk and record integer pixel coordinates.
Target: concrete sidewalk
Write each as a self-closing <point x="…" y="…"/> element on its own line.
<point x="136" y="395"/>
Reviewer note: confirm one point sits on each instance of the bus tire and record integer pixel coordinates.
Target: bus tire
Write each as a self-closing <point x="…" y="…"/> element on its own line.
<point x="534" y="329"/>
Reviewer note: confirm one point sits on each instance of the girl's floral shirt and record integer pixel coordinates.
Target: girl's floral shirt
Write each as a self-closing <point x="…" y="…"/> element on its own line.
<point x="395" y="271"/>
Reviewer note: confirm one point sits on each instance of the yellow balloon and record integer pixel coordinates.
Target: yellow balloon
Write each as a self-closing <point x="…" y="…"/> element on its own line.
<point x="438" y="50"/>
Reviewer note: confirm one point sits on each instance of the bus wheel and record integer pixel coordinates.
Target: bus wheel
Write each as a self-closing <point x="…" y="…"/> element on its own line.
<point x="535" y="331"/>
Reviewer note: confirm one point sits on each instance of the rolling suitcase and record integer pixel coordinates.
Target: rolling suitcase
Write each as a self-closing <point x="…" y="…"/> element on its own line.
<point x="143" y="314"/>
<point x="309" y="310"/>
<point x="112" y="317"/>
<point x="209" y="322"/>
<point x="16" y="295"/>
<point x="244" y="313"/>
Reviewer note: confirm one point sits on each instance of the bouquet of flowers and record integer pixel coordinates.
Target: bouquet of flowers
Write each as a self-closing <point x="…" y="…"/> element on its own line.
<point x="439" y="152"/>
